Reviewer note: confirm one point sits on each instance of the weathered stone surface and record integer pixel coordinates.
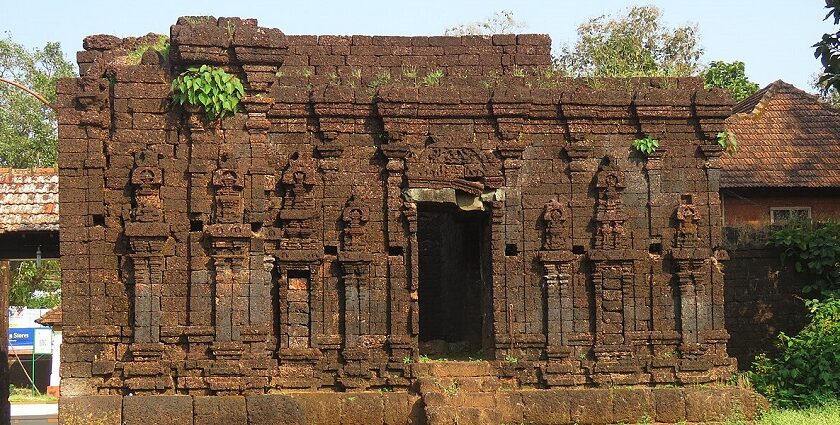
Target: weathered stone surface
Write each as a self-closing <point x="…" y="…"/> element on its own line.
<point x="669" y="404"/>
<point x="157" y="410"/>
<point x="548" y="407"/>
<point x="274" y="409"/>
<point x="93" y="410"/>
<point x="323" y="238"/>
<point x="219" y="410"/>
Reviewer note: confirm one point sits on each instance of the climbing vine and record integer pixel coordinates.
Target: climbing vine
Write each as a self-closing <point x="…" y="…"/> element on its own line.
<point x="214" y="90"/>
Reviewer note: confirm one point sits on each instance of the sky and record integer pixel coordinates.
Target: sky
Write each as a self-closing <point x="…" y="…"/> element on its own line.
<point x="773" y="37"/>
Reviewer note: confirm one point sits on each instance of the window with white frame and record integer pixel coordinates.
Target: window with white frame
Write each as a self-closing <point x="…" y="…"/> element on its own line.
<point x="780" y="215"/>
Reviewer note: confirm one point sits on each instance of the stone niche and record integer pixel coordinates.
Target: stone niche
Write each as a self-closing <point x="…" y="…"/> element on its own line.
<point x="341" y="226"/>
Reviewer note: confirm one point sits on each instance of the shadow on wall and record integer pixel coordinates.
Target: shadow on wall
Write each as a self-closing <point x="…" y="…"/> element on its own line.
<point x="762" y="295"/>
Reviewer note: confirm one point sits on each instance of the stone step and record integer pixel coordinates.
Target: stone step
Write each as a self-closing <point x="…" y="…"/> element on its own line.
<point x="452" y="369"/>
<point x="454" y="385"/>
<point x="447" y="415"/>
<point x="462" y="399"/>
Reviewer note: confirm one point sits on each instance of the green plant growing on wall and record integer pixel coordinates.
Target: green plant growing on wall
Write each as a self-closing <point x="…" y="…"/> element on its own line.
<point x="212" y="89"/>
<point x="382" y="78"/>
<point x="647" y="145"/>
<point x="728" y="141"/>
<point x="161" y="45"/>
<point x="432" y="79"/>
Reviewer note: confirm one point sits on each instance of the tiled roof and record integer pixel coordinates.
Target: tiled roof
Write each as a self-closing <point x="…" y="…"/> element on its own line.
<point x="28" y="199"/>
<point x="51" y="318"/>
<point x="786" y="138"/>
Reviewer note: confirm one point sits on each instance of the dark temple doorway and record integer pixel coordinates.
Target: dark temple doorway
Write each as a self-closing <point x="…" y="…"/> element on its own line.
<point x="454" y="275"/>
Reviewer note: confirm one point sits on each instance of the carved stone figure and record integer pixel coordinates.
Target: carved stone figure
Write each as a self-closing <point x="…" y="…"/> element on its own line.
<point x="354" y="216"/>
<point x="610" y="216"/>
<point x="227" y="186"/>
<point x="554" y="217"/>
<point x="688" y="219"/>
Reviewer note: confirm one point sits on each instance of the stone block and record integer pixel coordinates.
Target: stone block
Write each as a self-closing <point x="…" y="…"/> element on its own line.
<point x="90" y="410"/>
<point x="158" y="410"/>
<point x="219" y="410"/>
<point x="274" y="409"/>
<point x="549" y="407"/>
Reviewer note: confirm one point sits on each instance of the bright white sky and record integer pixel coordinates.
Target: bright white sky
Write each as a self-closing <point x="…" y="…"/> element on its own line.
<point x="773" y="37"/>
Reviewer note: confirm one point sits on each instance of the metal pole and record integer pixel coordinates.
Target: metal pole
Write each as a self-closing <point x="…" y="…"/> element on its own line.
<point x="34" y="390"/>
<point x="5" y="282"/>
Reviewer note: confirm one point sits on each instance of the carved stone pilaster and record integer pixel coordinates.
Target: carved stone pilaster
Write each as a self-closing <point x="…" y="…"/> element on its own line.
<point x="257" y="125"/>
<point x="147" y="235"/>
<point x="653" y="168"/>
<point x="229" y="240"/>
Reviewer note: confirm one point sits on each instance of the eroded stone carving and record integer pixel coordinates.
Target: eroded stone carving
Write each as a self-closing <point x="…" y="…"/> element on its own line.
<point x="610" y="217"/>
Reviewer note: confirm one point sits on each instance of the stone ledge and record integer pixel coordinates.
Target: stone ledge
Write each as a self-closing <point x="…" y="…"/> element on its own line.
<point x="548" y="407"/>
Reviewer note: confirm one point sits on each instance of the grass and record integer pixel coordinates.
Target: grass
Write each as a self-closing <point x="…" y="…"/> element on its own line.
<point x="24" y="395"/>
<point x="828" y="414"/>
<point x="161" y="45"/>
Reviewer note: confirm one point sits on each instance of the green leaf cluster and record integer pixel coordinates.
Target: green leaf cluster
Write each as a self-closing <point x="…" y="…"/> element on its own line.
<point x="806" y="371"/>
<point x="28" y="128"/>
<point x="36" y="286"/>
<point x="214" y="90"/>
<point x="827" y="50"/>
<point x="646" y="145"/>
<point x="730" y="76"/>
<point x="813" y="249"/>
<point x="728" y="141"/>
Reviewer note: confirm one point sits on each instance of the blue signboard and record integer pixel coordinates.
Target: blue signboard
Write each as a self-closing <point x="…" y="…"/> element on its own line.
<point x="21" y="338"/>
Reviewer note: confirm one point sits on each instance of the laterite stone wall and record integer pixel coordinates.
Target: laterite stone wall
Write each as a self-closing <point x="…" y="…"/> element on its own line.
<point x="278" y="249"/>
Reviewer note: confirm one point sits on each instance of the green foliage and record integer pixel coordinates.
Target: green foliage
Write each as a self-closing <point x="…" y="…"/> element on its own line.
<point x="382" y="78"/>
<point x="161" y="45"/>
<point x="214" y="90"/>
<point x="828" y="50"/>
<point x="28" y="128"/>
<point x="730" y="76"/>
<point x="813" y="249"/>
<point x="502" y="22"/>
<point x="432" y="79"/>
<point x="636" y="44"/>
<point x="827" y="413"/>
<point x="827" y="93"/>
<point x="806" y="372"/>
<point x="36" y="286"/>
<point x="646" y="145"/>
<point x="29" y="395"/>
<point x="511" y="359"/>
<point x="728" y="141"/>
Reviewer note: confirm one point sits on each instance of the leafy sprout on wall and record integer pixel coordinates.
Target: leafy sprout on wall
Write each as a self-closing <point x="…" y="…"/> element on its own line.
<point x="210" y="88"/>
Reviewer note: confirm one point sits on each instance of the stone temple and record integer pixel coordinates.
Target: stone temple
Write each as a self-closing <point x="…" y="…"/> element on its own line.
<point x="378" y="204"/>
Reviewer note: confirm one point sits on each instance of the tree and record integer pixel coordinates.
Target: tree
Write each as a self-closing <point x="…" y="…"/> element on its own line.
<point x="28" y="129"/>
<point x="828" y="50"/>
<point x="501" y="22"/>
<point x="826" y="92"/>
<point x="36" y="285"/>
<point x="730" y="76"/>
<point x="636" y="45"/>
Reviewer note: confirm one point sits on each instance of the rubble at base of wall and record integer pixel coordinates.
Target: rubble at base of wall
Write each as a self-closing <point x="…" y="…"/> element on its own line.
<point x="553" y="406"/>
